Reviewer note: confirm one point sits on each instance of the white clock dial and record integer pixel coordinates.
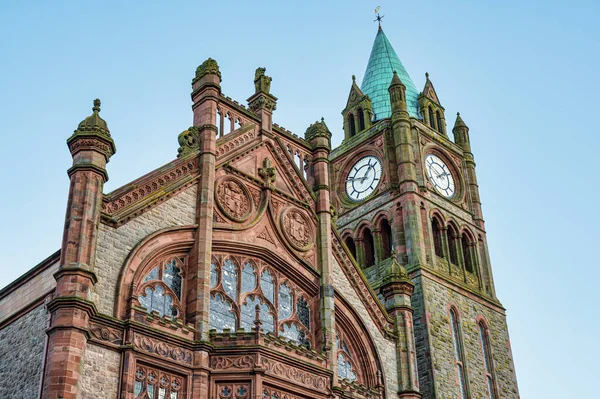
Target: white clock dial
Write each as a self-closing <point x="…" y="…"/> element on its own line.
<point x="440" y="176"/>
<point x="363" y="178"/>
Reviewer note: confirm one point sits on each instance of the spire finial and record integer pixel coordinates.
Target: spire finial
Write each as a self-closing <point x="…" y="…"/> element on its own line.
<point x="379" y="17"/>
<point x="458" y="114"/>
<point x="353" y="78"/>
<point x="96" y="107"/>
<point x="426" y="75"/>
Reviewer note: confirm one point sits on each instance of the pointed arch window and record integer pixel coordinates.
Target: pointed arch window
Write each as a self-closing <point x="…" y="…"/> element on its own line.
<point x="161" y="289"/>
<point x="436" y="229"/>
<point x="484" y="339"/>
<point x="386" y="238"/>
<point x="351" y="125"/>
<point x="439" y="121"/>
<point x="452" y="244"/>
<point x="351" y="246"/>
<point x="368" y="247"/>
<point x="246" y="289"/>
<point x="151" y="383"/>
<point x="361" y="120"/>
<point x="458" y="354"/>
<point x="431" y="120"/>
<point x="346" y="369"/>
<point x="467" y="244"/>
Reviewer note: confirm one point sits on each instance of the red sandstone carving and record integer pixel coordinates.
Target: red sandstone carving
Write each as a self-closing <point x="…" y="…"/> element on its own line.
<point x="297" y="229"/>
<point x="233" y="199"/>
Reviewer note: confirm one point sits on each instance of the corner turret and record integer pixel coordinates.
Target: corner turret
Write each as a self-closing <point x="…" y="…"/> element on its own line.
<point x="397" y="91"/>
<point x="358" y="113"/>
<point x="431" y="109"/>
<point x="461" y="134"/>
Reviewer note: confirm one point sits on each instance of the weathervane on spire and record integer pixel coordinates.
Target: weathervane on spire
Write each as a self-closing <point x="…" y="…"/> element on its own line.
<point x="379" y="17"/>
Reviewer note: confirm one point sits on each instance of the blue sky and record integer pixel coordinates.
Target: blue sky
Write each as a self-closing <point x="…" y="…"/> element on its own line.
<point x="523" y="74"/>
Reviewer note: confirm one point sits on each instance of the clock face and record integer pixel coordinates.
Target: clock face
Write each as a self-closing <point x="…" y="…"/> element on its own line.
<point x="440" y="176"/>
<point x="363" y="178"/>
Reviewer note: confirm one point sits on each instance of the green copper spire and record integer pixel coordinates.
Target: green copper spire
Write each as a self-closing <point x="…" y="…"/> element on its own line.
<point x="378" y="76"/>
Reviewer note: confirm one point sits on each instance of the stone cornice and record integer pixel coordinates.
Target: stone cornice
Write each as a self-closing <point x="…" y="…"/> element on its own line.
<point x="131" y="200"/>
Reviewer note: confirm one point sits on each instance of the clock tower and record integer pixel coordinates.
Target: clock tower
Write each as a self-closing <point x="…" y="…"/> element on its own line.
<point x="406" y="193"/>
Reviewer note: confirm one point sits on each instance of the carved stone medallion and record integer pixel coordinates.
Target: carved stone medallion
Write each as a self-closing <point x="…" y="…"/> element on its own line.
<point x="297" y="229"/>
<point x="233" y="199"/>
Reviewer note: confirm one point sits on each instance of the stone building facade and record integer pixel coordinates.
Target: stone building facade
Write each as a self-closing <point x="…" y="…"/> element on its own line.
<point x="260" y="264"/>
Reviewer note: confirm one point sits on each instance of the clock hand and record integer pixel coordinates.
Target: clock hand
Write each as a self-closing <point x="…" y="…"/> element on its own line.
<point x="366" y="174"/>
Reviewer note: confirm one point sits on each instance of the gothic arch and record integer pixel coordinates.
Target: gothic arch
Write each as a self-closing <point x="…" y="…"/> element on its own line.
<point x="370" y="372"/>
<point x="169" y="241"/>
<point x="382" y="214"/>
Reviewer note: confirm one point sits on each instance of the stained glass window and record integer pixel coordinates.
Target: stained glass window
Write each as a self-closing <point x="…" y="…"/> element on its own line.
<point x="153" y="275"/>
<point x="164" y="299"/>
<point x="154" y="299"/>
<point x="172" y="277"/>
<point x="248" y="315"/>
<point x="214" y="275"/>
<point x="229" y="279"/>
<point x="248" y="278"/>
<point x="221" y="315"/>
<point x="303" y="312"/>
<point x="248" y="283"/>
<point x="266" y="284"/>
<point x="285" y="302"/>
<point x="345" y="370"/>
<point x="148" y="385"/>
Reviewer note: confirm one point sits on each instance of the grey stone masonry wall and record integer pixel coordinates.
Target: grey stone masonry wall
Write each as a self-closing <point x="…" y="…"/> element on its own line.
<point x="100" y="374"/>
<point x="114" y="245"/>
<point x="437" y="299"/>
<point x="422" y="341"/>
<point x="21" y="355"/>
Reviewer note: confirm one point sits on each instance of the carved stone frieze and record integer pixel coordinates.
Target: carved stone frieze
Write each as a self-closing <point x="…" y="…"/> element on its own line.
<point x="235" y="142"/>
<point x="238" y="362"/>
<point x="104" y="333"/>
<point x="162" y="349"/>
<point x="233" y="199"/>
<point x="91" y="143"/>
<point x="297" y="229"/>
<point x="294" y="374"/>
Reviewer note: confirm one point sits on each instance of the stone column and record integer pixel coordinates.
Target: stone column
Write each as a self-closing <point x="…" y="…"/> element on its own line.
<point x="403" y="141"/>
<point x="397" y="290"/>
<point x="319" y="136"/>
<point x="206" y="89"/>
<point x="91" y="147"/>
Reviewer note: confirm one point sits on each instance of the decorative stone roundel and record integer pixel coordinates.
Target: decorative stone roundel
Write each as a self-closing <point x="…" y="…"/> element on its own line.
<point x="297" y="229"/>
<point x="233" y="199"/>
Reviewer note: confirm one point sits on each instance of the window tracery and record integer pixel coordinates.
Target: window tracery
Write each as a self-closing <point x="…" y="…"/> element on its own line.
<point x="161" y="290"/>
<point x="244" y="289"/>
<point x="346" y="370"/>
<point x="151" y="383"/>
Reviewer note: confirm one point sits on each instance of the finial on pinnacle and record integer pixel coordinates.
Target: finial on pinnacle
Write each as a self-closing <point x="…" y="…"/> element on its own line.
<point x="353" y="78"/>
<point x="322" y="120"/>
<point x="458" y="114"/>
<point x="427" y="75"/>
<point x="96" y="107"/>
